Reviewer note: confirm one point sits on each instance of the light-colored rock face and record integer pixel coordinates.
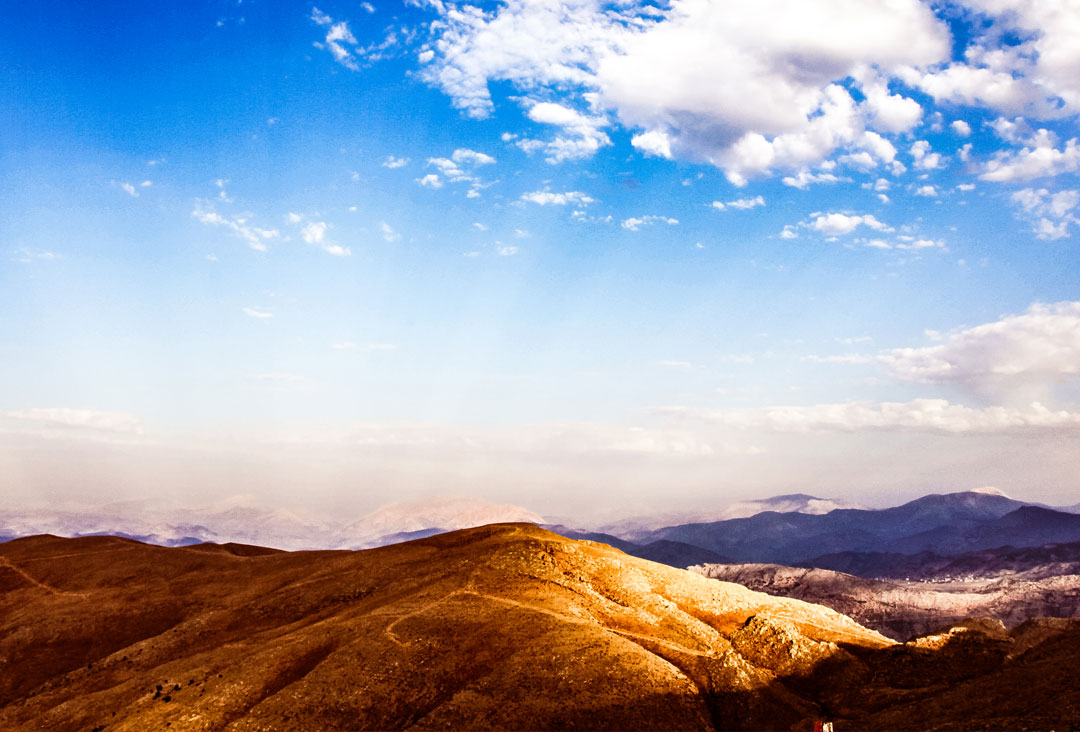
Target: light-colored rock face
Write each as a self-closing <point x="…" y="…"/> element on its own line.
<point x="901" y="609"/>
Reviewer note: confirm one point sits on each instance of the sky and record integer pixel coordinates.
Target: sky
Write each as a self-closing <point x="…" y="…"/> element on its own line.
<point x="595" y="259"/>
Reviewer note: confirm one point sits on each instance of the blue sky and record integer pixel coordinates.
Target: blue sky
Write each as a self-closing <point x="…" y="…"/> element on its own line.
<point x="559" y="253"/>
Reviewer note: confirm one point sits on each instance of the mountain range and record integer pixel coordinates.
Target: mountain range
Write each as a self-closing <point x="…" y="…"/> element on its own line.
<point x="501" y="627"/>
<point x="950" y="523"/>
<point x="243" y="519"/>
<point x="861" y="541"/>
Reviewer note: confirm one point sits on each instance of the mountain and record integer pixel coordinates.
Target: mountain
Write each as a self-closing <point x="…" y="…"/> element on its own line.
<point x="671" y="553"/>
<point x="930" y="523"/>
<point x="1026" y="526"/>
<point x="380" y="526"/>
<point x="638" y="528"/>
<point x="499" y="627"/>
<point x="901" y="609"/>
<point x="1049" y="560"/>
<point x="243" y="519"/>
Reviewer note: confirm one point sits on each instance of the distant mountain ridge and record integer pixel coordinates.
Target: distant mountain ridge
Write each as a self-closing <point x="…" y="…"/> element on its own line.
<point x="243" y="520"/>
<point x="940" y="524"/>
<point x="943" y="523"/>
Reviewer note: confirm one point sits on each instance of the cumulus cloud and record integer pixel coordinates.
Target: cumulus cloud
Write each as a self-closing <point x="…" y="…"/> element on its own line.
<point x="315" y="233"/>
<point x="460" y="167"/>
<point x="635" y="223"/>
<point x="1041" y="158"/>
<point x="584" y="135"/>
<point x="1050" y="213"/>
<point x="837" y="224"/>
<point x="1019" y="356"/>
<point x="394" y="162"/>
<point x="924" y="158"/>
<point x="546" y="198"/>
<point x="804" y="179"/>
<point x="1036" y="75"/>
<point x="680" y="76"/>
<point x="741" y="204"/>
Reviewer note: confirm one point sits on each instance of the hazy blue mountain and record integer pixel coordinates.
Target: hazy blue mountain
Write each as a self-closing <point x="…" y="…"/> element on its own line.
<point x="948" y="523"/>
<point x="1042" y="561"/>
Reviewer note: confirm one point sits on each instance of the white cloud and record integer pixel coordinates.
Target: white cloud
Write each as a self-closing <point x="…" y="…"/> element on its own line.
<point x="1036" y="75"/>
<point x="927" y="190"/>
<point x="1024" y="354"/>
<point x="654" y="142"/>
<point x="1050" y="213"/>
<point x="961" y="128"/>
<point x="314" y="233"/>
<point x="258" y="313"/>
<point x="256" y="237"/>
<point x="682" y="75"/>
<point x="1039" y="159"/>
<point x="584" y="135"/>
<point x="545" y="198"/>
<point x="388" y="233"/>
<point x="931" y="415"/>
<point x="507" y="251"/>
<point x="343" y="45"/>
<point x="82" y="419"/>
<point x="465" y="156"/>
<point x="924" y="158"/>
<point x="453" y="170"/>
<point x="393" y="162"/>
<point x="914" y="243"/>
<point x="836" y="224"/>
<point x="634" y="223"/>
<point x="130" y="190"/>
<point x="338" y="36"/>
<point x="891" y="112"/>
<point x="804" y="179"/>
<point x="742" y="204"/>
<point x="27" y="256"/>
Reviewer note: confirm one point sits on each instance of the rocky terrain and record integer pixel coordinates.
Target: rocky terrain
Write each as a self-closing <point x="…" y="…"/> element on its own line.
<point x="905" y="609"/>
<point x="505" y="626"/>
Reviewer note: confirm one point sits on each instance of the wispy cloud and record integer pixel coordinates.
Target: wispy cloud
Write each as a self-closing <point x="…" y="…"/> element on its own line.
<point x="258" y="313"/>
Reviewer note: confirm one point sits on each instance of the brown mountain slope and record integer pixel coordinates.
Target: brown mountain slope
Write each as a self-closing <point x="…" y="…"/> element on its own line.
<point x="506" y="626"/>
